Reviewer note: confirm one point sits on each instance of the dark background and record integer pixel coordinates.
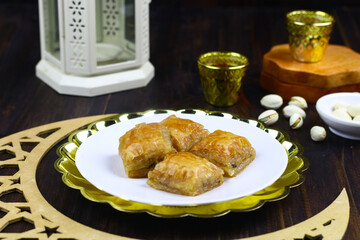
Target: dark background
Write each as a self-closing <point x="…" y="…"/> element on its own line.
<point x="179" y="32"/>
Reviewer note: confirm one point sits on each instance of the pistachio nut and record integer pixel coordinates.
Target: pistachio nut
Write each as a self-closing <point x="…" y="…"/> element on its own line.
<point x="354" y="109"/>
<point x="340" y="105"/>
<point x="271" y="101"/>
<point x="296" y="121"/>
<point x="269" y="117"/>
<point x="298" y="101"/>
<point x="289" y="110"/>
<point x="342" y="113"/>
<point x="317" y="133"/>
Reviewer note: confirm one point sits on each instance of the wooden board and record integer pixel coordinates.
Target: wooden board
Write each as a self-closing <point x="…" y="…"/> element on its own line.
<point x="339" y="70"/>
<point x="311" y="94"/>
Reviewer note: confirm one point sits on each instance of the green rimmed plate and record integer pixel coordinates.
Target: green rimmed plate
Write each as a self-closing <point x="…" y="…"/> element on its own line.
<point x="291" y="177"/>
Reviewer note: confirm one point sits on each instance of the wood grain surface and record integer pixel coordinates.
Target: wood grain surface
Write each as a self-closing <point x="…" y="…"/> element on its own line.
<point x="311" y="94"/>
<point x="179" y="32"/>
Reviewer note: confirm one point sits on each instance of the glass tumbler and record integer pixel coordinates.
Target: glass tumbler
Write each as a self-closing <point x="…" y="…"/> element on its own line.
<point x="221" y="74"/>
<point x="309" y="34"/>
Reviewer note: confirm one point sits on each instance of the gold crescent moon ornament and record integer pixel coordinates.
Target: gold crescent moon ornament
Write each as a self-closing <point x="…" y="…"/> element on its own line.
<point x="22" y="152"/>
<point x="20" y="155"/>
<point x="331" y="223"/>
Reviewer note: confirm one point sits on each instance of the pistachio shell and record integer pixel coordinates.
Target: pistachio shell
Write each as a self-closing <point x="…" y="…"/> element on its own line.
<point x="342" y="113"/>
<point x="289" y="110"/>
<point x="269" y="117"/>
<point x="356" y="118"/>
<point x="296" y="121"/>
<point x="298" y="101"/>
<point x="271" y="101"/>
<point x="354" y="109"/>
<point x="317" y="133"/>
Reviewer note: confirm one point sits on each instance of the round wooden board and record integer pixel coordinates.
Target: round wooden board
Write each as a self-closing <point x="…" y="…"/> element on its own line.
<point x="339" y="70"/>
<point x="311" y="94"/>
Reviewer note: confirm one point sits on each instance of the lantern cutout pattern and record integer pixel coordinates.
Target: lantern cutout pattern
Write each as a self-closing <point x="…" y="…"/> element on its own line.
<point x="94" y="47"/>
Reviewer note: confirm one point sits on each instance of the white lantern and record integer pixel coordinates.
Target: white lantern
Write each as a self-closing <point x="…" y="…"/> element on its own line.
<point x="94" y="47"/>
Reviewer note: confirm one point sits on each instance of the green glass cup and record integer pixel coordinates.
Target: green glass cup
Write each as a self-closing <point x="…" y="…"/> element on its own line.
<point x="221" y="74"/>
<point x="309" y="34"/>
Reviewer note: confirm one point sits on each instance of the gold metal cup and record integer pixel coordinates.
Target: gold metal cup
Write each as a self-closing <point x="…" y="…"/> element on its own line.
<point x="221" y="74"/>
<point x="309" y="34"/>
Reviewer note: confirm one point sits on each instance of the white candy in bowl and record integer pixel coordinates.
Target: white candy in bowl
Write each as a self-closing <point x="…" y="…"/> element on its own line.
<point x="328" y="108"/>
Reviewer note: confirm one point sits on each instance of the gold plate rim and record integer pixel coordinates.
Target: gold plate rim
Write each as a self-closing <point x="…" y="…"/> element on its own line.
<point x="292" y="177"/>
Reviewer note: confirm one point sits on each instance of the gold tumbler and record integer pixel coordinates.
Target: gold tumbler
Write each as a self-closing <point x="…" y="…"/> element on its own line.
<point x="309" y="34"/>
<point x="221" y="74"/>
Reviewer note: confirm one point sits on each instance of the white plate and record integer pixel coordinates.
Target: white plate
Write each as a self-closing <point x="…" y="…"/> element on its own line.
<point x="98" y="161"/>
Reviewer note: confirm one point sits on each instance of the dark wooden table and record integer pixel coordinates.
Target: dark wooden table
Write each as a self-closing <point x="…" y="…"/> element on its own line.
<point x="180" y="31"/>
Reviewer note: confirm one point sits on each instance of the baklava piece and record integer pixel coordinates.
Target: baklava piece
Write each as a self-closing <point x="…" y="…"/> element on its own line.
<point x="184" y="132"/>
<point x="143" y="146"/>
<point x="185" y="173"/>
<point x="230" y="152"/>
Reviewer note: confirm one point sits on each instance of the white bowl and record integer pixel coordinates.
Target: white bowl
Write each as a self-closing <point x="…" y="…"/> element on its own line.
<point x="341" y="127"/>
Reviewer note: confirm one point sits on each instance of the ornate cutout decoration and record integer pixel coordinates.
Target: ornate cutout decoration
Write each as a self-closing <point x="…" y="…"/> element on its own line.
<point x="111" y="17"/>
<point x="331" y="223"/>
<point x="76" y="37"/>
<point x="20" y="155"/>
